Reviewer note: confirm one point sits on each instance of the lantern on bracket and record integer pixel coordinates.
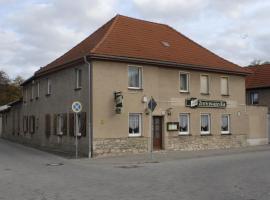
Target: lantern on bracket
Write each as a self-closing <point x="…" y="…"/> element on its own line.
<point x="118" y="98"/>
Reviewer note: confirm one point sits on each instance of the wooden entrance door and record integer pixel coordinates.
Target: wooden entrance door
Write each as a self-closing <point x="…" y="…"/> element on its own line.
<point x="157" y="132"/>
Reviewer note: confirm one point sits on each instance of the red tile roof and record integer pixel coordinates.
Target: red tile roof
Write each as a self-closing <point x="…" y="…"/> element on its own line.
<point x="260" y="77"/>
<point x="131" y="38"/>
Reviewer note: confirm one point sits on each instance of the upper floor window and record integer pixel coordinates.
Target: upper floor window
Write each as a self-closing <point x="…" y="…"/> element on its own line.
<point x="224" y="84"/>
<point x="254" y="98"/>
<point x="49" y="86"/>
<point x="24" y="94"/>
<point x="78" y="73"/>
<point x="184" y="82"/>
<point x="37" y="89"/>
<point x="134" y="77"/>
<point x="204" y="84"/>
<point x="32" y="90"/>
<point x="135" y="121"/>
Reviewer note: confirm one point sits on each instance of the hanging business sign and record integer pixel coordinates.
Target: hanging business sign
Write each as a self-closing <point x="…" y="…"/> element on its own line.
<point x="201" y="103"/>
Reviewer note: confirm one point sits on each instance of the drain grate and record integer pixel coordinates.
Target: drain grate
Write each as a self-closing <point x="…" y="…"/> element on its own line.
<point x="54" y="164"/>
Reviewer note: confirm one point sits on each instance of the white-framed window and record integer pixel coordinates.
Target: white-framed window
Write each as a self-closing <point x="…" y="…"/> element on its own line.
<point x="204" y="83"/>
<point x="49" y="86"/>
<point x="32" y="90"/>
<point x="60" y="124"/>
<point x="205" y="124"/>
<point x="224" y="85"/>
<point x="78" y="73"/>
<point x="135" y="124"/>
<point x="254" y="98"/>
<point x="25" y="94"/>
<point x="225" y="124"/>
<point x="184" y="81"/>
<point x="37" y="89"/>
<point x="134" y="77"/>
<point x="184" y="124"/>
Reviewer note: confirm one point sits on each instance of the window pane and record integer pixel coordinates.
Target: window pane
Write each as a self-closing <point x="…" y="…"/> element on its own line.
<point x="254" y="98"/>
<point x="134" y="124"/>
<point x="204" y="84"/>
<point x="134" y="77"/>
<point x="183" y="123"/>
<point x="225" y="123"/>
<point x="184" y="82"/>
<point x="224" y="86"/>
<point x="205" y="123"/>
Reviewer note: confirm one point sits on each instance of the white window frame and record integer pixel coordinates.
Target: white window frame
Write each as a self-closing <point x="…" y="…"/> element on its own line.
<point x="140" y="125"/>
<point x="188" y="77"/>
<point x="186" y="132"/>
<point x="252" y="98"/>
<point x="78" y="80"/>
<point x="208" y="84"/>
<point x="228" y="92"/>
<point x="229" y="122"/>
<point x="38" y="91"/>
<point x="140" y="77"/>
<point x="49" y="86"/>
<point x="32" y="89"/>
<point x="209" y="122"/>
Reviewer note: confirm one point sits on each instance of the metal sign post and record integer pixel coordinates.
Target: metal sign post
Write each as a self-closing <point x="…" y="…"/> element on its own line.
<point x="76" y="108"/>
<point x="151" y="105"/>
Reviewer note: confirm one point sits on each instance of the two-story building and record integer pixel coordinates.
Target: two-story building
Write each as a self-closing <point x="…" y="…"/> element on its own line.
<point x="120" y="73"/>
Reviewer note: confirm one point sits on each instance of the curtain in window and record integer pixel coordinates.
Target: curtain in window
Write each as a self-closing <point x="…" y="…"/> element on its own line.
<point x="183" y="123"/>
<point x="224" y="123"/>
<point x="134" y="123"/>
<point x="224" y="85"/>
<point x="183" y="82"/>
<point x="204" y="123"/>
<point x="204" y="84"/>
<point x="134" y="76"/>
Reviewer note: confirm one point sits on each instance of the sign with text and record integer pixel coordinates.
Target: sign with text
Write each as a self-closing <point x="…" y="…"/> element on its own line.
<point x="201" y="103"/>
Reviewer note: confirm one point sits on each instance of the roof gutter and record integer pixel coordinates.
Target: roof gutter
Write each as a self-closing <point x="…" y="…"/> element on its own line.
<point x="164" y="64"/>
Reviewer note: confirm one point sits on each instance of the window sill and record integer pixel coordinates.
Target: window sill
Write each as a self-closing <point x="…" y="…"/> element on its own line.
<point x="205" y="93"/>
<point x="135" y="136"/>
<point x="184" y="92"/>
<point x="225" y="95"/>
<point x="78" y="88"/>
<point x="226" y="134"/>
<point x="133" y="88"/>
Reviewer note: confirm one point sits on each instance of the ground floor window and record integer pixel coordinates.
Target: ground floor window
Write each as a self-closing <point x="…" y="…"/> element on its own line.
<point x="32" y="124"/>
<point x="225" y="124"/>
<point x="135" y="120"/>
<point x="184" y="124"/>
<point x="205" y="124"/>
<point x="25" y="124"/>
<point x="60" y="124"/>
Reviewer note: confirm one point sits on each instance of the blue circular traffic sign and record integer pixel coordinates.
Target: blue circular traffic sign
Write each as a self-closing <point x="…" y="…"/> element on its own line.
<point x="76" y="107"/>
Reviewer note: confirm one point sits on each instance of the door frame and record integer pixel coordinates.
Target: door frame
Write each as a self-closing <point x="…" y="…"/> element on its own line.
<point x="162" y="132"/>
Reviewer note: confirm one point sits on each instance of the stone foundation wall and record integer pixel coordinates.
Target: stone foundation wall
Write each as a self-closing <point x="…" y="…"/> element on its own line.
<point x="198" y="142"/>
<point x="119" y="146"/>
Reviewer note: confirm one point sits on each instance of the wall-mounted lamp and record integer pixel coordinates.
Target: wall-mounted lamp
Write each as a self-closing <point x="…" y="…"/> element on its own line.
<point x="169" y="111"/>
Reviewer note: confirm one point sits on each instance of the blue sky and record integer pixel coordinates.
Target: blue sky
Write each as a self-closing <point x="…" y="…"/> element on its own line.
<point x="35" y="32"/>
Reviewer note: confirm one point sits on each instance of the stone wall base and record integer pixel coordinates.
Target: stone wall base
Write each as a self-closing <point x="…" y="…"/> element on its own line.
<point x="198" y="142"/>
<point x="119" y="146"/>
<point x="257" y="141"/>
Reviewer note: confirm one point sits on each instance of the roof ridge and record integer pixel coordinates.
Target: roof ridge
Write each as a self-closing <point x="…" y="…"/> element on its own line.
<point x="143" y="20"/>
<point x="201" y="46"/>
<point x="106" y="34"/>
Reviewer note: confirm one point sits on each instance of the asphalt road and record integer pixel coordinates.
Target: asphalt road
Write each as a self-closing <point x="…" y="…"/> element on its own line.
<point x="237" y="175"/>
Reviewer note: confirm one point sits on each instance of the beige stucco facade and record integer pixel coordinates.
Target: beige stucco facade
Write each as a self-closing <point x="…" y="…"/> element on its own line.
<point x="163" y="85"/>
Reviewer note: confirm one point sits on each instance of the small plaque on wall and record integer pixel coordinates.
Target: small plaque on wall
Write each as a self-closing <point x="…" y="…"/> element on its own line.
<point x="172" y="126"/>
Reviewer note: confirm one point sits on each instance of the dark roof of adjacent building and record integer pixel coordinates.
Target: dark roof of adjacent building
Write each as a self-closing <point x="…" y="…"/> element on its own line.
<point x="260" y="78"/>
<point x="125" y="37"/>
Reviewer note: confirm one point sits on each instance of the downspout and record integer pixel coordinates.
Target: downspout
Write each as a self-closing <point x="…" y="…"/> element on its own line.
<point x="90" y="107"/>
